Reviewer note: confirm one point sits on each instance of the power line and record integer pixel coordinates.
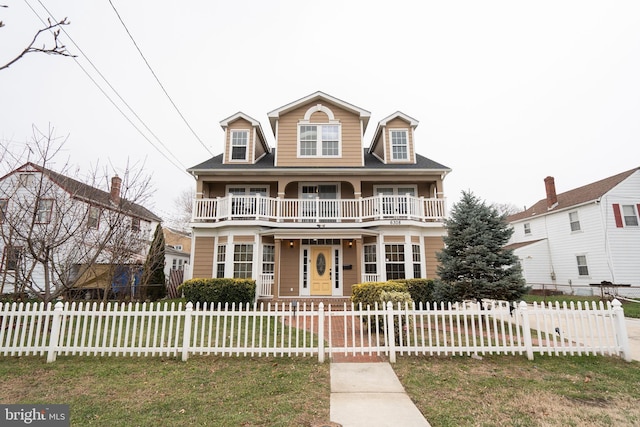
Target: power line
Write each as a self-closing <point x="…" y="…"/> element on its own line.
<point x="178" y="165"/>
<point x="158" y="80"/>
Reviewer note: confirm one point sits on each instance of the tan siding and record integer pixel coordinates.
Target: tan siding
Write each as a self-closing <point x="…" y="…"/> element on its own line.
<point x="379" y="148"/>
<point x="203" y="257"/>
<point x="432" y="245"/>
<point x="289" y="269"/>
<point x="240" y="124"/>
<point x="288" y="138"/>
<point x="415" y="239"/>
<point x="394" y="239"/>
<point x="350" y="277"/>
<point x="243" y="239"/>
<point x="346" y="191"/>
<point x="222" y="240"/>
<point x="370" y="239"/>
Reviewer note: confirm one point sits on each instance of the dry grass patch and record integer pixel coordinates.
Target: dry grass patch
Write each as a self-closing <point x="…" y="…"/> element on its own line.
<point x="513" y="391"/>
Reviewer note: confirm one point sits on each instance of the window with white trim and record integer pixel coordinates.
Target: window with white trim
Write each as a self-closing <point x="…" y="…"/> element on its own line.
<point x="319" y="140"/>
<point x="399" y="144"/>
<point x="629" y="215"/>
<point x="43" y="211"/>
<point x="394" y="257"/>
<point x="242" y="260"/>
<point x="135" y="224"/>
<point x="268" y="259"/>
<point x="93" y="218"/>
<point x="527" y="228"/>
<point x="370" y="259"/>
<point x="13" y="254"/>
<point x="417" y="263"/>
<point x="220" y="261"/>
<point x="583" y="269"/>
<point x="239" y="145"/>
<point x="574" y="221"/>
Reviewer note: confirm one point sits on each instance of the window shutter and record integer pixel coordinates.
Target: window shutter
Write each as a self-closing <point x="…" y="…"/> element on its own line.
<point x="617" y="215"/>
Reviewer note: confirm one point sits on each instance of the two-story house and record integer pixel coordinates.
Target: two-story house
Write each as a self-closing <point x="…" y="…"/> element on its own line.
<point x="322" y="210"/>
<point x="575" y="240"/>
<point x="58" y="234"/>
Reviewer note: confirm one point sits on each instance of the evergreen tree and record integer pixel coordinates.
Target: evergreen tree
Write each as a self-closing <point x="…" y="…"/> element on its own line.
<point x="474" y="264"/>
<point x="153" y="280"/>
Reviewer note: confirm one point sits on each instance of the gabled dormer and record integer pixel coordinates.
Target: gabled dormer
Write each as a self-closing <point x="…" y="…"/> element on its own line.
<point x="393" y="141"/>
<point x="244" y="140"/>
<point x="319" y="130"/>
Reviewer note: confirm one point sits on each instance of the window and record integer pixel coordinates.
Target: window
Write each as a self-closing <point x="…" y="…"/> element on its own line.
<point x="370" y="259"/>
<point x="574" y="221"/>
<point x="13" y="254"/>
<point x="583" y="270"/>
<point x="25" y="179"/>
<point x="629" y="214"/>
<point x="177" y="247"/>
<point x="399" y="145"/>
<point x="4" y="203"/>
<point x="94" y="217"/>
<point x="220" y="261"/>
<point x="239" y="144"/>
<point x="527" y="228"/>
<point x="135" y="224"/>
<point x="268" y="259"/>
<point x="43" y="211"/>
<point x="394" y="255"/>
<point x="319" y="140"/>
<point x="417" y="264"/>
<point x="242" y="261"/>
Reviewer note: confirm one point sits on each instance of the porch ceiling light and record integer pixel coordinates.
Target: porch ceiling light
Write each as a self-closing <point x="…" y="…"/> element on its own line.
<point x="290" y="243"/>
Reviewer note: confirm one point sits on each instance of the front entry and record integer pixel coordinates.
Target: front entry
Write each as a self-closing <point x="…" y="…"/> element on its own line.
<point x="320" y="270"/>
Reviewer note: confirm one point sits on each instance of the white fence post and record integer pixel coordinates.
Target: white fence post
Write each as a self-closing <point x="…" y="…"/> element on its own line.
<point x="622" y="338"/>
<point x="186" y="336"/>
<point x="391" y="333"/>
<point x="321" y="332"/>
<point x="526" y="330"/>
<point x="55" y="333"/>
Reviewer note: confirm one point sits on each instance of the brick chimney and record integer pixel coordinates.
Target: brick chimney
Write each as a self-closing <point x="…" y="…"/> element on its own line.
<point x="550" y="186"/>
<point x="116" y="182"/>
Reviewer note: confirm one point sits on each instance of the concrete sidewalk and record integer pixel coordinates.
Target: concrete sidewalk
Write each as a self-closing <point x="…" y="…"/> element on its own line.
<point x="370" y="394"/>
<point x="633" y="332"/>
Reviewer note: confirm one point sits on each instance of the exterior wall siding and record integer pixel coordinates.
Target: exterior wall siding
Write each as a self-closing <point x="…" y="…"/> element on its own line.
<point x="432" y="245"/>
<point x="240" y="124"/>
<point x="289" y="269"/>
<point x="399" y="124"/>
<point x="203" y="257"/>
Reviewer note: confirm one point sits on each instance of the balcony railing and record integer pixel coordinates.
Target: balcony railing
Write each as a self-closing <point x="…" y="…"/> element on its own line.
<point x="381" y="207"/>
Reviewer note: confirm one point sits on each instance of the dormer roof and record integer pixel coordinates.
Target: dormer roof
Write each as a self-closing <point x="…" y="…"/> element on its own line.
<point x="318" y="96"/>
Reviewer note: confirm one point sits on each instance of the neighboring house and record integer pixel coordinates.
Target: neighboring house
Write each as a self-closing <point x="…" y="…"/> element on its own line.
<point x="318" y="213"/>
<point x="177" y="239"/>
<point x="176" y="269"/>
<point x="578" y="239"/>
<point x="84" y="235"/>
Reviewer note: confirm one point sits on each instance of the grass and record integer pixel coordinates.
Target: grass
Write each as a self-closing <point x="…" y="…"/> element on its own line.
<point x="631" y="309"/>
<point x="204" y="391"/>
<point x="513" y="391"/>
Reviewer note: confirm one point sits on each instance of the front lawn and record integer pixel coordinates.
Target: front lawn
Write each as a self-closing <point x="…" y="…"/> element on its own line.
<point x="631" y="309"/>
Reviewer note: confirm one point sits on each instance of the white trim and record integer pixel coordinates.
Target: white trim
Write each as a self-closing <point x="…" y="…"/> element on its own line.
<point x="317" y="108"/>
<point x="406" y="134"/>
<point x="246" y="153"/>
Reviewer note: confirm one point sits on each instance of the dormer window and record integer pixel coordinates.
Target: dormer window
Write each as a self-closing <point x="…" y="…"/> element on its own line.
<point x="239" y="145"/>
<point x="399" y="144"/>
<point x="319" y="140"/>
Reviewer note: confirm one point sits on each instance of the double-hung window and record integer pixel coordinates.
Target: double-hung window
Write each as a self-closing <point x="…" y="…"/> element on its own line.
<point x="394" y="255"/>
<point x="242" y="261"/>
<point x="43" y="211"/>
<point x="574" y="221"/>
<point x="239" y="145"/>
<point x="94" y="217"/>
<point x="583" y="269"/>
<point x="4" y="204"/>
<point x="399" y="144"/>
<point x="220" y="261"/>
<point x="630" y="216"/>
<point x="322" y="140"/>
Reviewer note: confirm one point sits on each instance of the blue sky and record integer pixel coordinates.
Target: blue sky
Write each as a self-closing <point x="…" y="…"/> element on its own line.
<point x="506" y="92"/>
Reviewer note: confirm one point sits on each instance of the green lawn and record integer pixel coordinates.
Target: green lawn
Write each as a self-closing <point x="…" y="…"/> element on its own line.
<point x="631" y="309"/>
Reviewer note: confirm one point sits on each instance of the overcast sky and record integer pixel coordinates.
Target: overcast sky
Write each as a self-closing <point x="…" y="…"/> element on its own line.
<point x="506" y="92"/>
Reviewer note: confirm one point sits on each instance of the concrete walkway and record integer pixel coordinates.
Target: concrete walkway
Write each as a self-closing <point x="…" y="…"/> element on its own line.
<point x="633" y="332"/>
<point x="370" y="394"/>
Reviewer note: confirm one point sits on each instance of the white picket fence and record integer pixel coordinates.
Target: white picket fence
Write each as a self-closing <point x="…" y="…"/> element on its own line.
<point x="86" y="329"/>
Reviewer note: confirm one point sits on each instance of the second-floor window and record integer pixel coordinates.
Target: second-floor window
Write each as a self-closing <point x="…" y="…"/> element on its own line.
<point x="574" y="221"/>
<point x="13" y="254"/>
<point x="43" y="211"/>
<point x="629" y="215"/>
<point x="239" y="144"/>
<point x="399" y="144"/>
<point x="135" y="224"/>
<point x="4" y="203"/>
<point x="94" y="217"/>
<point x="527" y="228"/>
<point x="319" y="141"/>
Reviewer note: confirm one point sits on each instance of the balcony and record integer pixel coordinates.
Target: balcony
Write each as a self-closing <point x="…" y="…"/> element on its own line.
<point x="368" y="209"/>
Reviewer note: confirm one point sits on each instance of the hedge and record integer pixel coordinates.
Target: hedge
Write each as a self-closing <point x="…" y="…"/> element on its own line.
<point x="219" y="291"/>
<point x="369" y="293"/>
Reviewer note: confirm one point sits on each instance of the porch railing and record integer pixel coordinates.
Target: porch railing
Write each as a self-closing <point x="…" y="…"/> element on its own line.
<point x="380" y="207"/>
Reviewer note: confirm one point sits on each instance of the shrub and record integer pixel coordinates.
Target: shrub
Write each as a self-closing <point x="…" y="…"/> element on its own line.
<point x="421" y="290"/>
<point x="400" y="322"/>
<point x="219" y="291"/>
<point x="368" y="293"/>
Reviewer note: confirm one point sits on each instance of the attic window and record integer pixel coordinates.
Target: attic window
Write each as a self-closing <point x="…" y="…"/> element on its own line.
<point x="319" y="140"/>
<point x="399" y="144"/>
<point x="239" y="144"/>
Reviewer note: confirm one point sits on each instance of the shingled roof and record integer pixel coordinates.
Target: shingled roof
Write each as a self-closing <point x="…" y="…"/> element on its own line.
<point x="89" y="194"/>
<point x="577" y="196"/>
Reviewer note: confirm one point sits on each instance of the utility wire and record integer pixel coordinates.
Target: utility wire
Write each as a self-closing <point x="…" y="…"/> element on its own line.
<point x="158" y="80"/>
<point x="175" y="163"/>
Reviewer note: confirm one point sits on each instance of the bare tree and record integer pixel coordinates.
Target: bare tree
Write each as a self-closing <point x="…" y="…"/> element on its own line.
<point x="183" y="208"/>
<point x="55" y="227"/>
<point x="506" y="208"/>
<point x="57" y="49"/>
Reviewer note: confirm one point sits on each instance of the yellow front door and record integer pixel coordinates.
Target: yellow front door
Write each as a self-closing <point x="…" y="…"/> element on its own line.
<point x="320" y="270"/>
